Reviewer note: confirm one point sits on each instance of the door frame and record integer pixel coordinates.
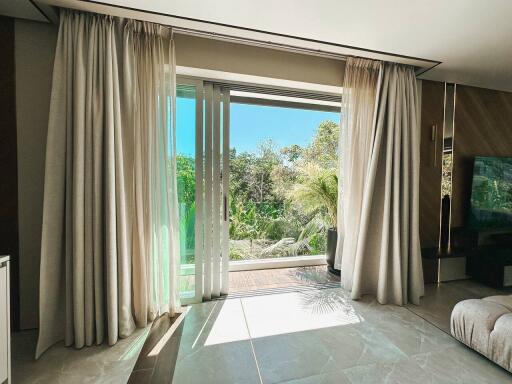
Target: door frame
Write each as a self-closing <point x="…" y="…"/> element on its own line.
<point x="198" y="80"/>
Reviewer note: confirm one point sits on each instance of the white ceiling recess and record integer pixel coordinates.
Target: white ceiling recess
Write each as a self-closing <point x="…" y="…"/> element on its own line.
<point x="238" y="33"/>
<point x="471" y="38"/>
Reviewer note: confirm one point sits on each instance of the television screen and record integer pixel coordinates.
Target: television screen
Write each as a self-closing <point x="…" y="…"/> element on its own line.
<point x="491" y="194"/>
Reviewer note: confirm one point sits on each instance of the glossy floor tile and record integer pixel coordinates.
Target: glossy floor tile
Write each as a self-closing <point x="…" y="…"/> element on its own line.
<point x="298" y="311"/>
<point x="301" y="337"/>
<point x="437" y="304"/>
<point x="321" y="336"/>
<point x="215" y="344"/>
<point x="60" y="364"/>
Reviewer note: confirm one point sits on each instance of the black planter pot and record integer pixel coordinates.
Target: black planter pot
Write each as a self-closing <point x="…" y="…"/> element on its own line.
<point x="332" y="239"/>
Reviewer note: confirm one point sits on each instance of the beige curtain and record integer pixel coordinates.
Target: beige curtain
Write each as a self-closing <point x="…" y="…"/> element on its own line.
<point x="108" y="252"/>
<point x="379" y="244"/>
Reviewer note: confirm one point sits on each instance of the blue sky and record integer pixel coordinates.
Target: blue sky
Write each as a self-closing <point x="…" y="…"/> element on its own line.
<point x="252" y="124"/>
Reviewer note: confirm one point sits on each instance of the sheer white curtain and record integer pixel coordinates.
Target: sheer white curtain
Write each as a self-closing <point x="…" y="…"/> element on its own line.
<point x="357" y="115"/>
<point x="109" y="243"/>
<point x="379" y="246"/>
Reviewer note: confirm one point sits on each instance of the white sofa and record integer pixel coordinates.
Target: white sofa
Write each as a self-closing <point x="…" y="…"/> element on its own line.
<point x="485" y="325"/>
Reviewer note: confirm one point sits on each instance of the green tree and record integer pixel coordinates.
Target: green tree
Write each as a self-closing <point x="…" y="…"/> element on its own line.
<point x="186" y="178"/>
<point x="323" y="150"/>
<point x="186" y="183"/>
<point x="281" y="200"/>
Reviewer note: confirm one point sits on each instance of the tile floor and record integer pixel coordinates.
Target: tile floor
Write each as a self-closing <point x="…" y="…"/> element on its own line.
<point x="321" y="336"/>
<point x="305" y="336"/>
<point x="439" y="300"/>
<point x="59" y="365"/>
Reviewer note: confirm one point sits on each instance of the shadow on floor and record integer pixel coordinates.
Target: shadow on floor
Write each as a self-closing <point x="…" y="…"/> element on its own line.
<point x="154" y="364"/>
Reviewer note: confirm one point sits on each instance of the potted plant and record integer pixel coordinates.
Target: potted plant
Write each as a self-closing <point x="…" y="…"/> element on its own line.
<point x="317" y="192"/>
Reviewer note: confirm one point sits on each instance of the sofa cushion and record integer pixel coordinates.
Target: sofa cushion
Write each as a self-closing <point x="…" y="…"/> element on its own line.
<point x="500" y="342"/>
<point x="506" y="301"/>
<point x="473" y="320"/>
<point x="486" y="326"/>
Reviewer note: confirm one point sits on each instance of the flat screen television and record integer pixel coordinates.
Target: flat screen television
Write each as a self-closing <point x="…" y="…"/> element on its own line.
<point x="491" y="193"/>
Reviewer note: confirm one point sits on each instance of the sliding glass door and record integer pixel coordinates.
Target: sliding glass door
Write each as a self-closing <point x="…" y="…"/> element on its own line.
<point x="284" y="157"/>
<point x="256" y="180"/>
<point x="202" y="121"/>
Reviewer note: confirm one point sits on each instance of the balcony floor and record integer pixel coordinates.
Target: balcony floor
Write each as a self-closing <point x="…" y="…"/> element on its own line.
<point x="265" y="279"/>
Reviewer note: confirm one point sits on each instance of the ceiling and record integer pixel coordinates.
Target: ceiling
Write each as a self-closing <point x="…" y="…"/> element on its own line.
<point x="471" y="38"/>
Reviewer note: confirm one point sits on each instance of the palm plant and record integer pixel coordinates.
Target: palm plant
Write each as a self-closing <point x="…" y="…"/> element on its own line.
<point x="317" y="192"/>
<point x="288" y="246"/>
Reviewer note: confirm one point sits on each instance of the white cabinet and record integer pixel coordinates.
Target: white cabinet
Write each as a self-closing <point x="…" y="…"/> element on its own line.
<point x="5" y="331"/>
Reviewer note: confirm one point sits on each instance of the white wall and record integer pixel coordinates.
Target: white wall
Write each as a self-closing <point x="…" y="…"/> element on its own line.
<point x="34" y="52"/>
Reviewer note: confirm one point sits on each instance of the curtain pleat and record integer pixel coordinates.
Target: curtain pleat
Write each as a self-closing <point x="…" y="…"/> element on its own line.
<point x="379" y="249"/>
<point x="108" y="254"/>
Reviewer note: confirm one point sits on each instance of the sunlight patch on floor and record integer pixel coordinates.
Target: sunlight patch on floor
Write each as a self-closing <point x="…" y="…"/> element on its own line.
<point x="298" y="312"/>
<point x="228" y="324"/>
<point x="271" y="315"/>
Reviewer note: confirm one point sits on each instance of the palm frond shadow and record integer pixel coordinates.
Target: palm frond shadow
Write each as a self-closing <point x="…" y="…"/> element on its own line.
<point x="313" y="275"/>
<point x="325" y="301"/>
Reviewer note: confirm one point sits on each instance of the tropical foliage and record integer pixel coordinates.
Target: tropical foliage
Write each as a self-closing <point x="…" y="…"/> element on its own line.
<point x="317" y="192"/>
<point x="282" y="200"/>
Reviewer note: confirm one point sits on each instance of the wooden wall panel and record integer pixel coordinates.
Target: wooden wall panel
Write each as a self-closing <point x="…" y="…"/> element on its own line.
<point x="430" y="162"/>
<point x="483" y="127"/>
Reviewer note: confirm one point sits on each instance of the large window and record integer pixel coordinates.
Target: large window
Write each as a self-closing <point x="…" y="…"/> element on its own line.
<point x="283" y="183"/>
<point x="282" y="192"/>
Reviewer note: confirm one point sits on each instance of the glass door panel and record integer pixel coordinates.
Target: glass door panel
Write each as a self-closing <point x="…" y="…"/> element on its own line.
<point x="283" y="180"/>
<point x="187" y="93"/>
<point x="216" y="179"/>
